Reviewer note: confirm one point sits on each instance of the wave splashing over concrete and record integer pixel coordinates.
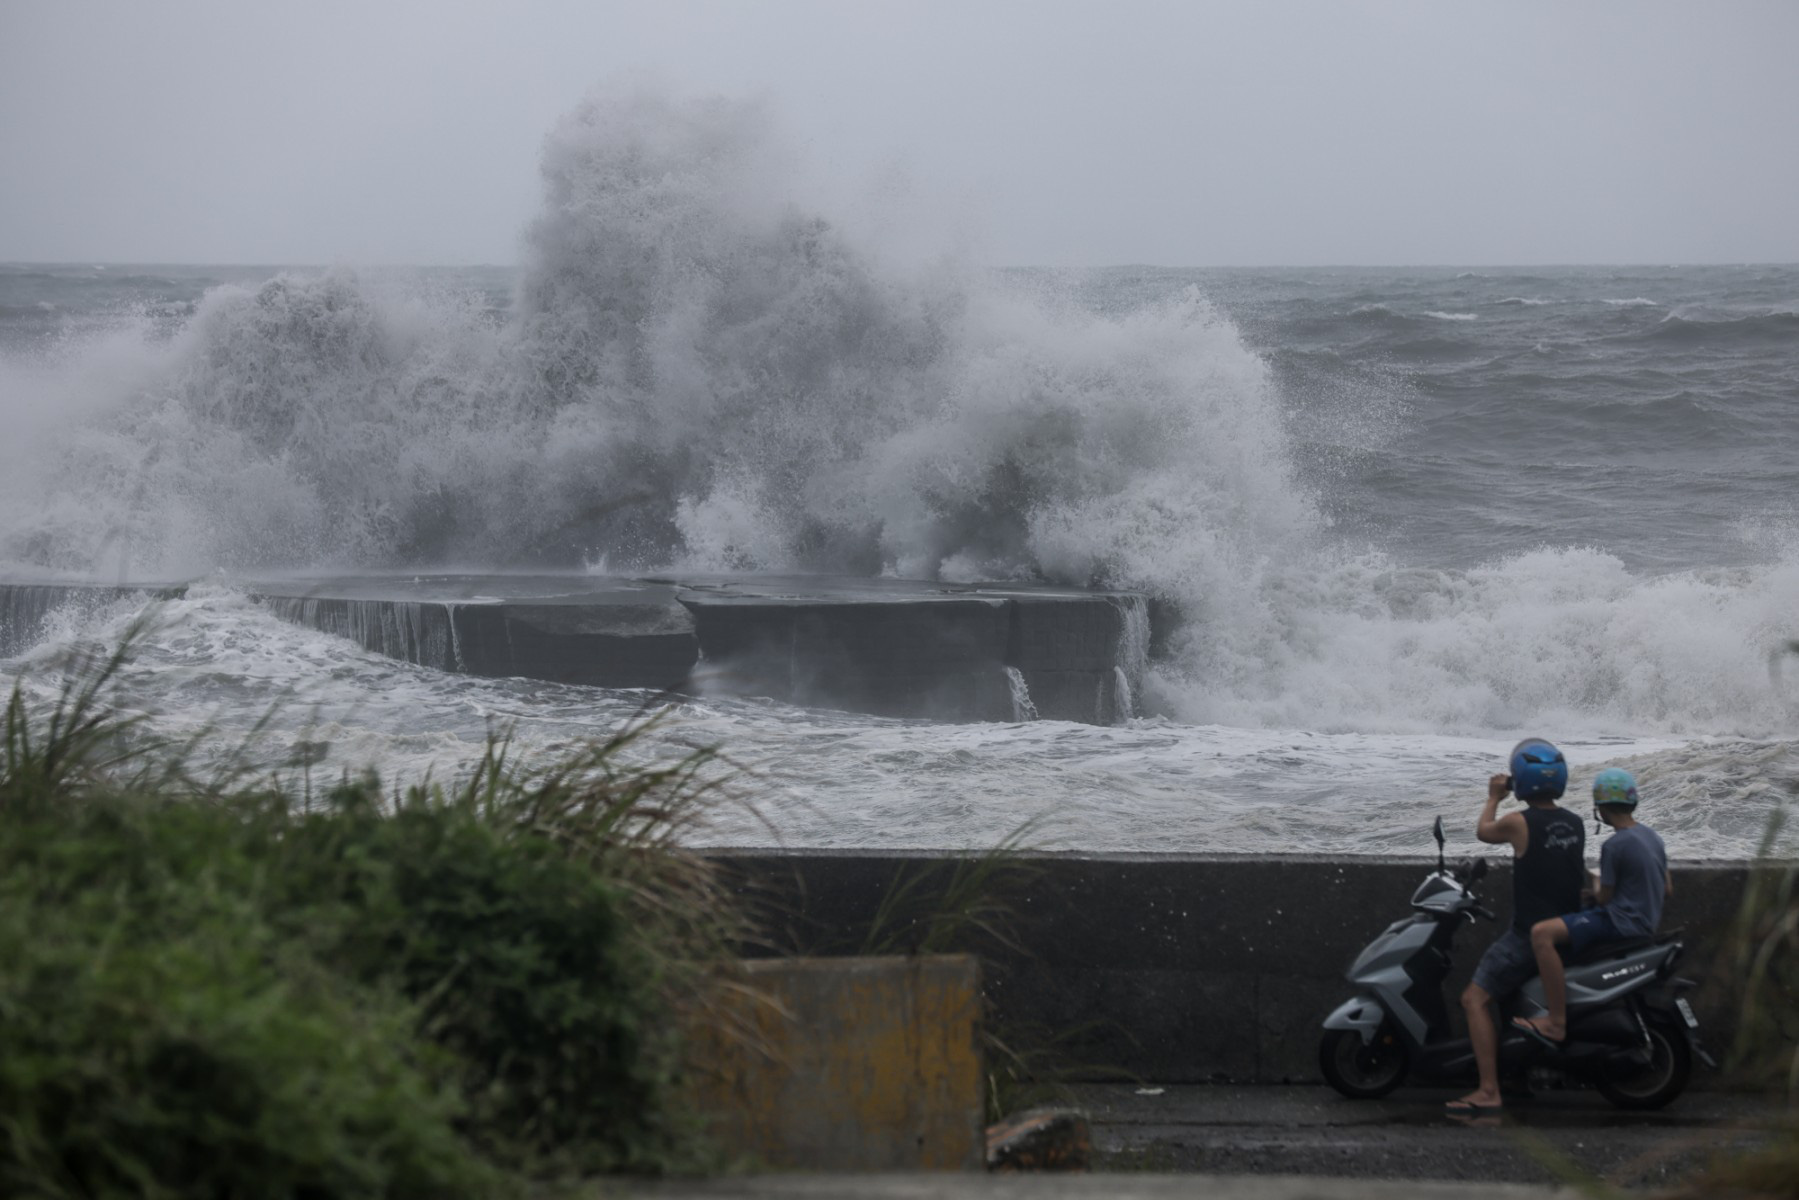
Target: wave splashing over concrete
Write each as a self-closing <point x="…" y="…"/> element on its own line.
<point x="698" y="372"/>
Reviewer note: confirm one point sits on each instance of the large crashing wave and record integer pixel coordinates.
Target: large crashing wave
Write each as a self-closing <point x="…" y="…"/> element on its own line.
<point x="699" y="372"/>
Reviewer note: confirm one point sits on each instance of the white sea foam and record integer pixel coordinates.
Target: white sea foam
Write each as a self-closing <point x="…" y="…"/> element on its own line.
<point x="1564" y="639"/>
<point x="1453" y="316"/>
<point x="218" y="660"/>
<point x="1633" y="302"/>
<point x="1525" y="301"/>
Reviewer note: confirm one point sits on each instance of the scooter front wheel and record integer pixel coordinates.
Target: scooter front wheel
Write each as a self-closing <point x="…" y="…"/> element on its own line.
<point x="1363" y="1071"/>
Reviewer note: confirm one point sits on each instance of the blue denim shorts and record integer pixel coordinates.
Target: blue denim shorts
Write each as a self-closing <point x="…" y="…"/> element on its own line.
<point x="1588" y="926"/>
<point x="1507" y="965"/>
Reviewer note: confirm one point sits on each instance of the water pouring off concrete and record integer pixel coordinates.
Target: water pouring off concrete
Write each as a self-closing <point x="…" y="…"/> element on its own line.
<point x="954" y="652"/>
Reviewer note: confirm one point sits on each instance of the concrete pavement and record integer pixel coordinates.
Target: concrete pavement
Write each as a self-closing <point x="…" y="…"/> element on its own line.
<point x="1312" y="1131"/>
<point x="1307" y="1143"/>
<point x="1079" y="1187"/>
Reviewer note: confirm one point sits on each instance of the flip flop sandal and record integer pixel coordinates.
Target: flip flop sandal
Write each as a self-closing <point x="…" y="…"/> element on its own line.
<point x="1541" y="1038"/>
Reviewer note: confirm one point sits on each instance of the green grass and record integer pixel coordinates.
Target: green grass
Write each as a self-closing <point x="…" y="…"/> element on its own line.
<point x="219" y="985"/>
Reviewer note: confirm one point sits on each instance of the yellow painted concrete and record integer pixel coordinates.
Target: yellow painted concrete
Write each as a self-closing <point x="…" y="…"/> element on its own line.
<point x="846" y="1064"/>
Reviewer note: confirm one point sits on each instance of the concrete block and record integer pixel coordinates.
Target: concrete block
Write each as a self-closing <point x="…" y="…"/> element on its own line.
<point x="1289" y="1019"/>
<point x="907" y="657"/>
<point x="1103" y="1023"/>
<point x="883" y="646"/>
<point x="1064" y="633"/>
<point x="851" y="1064"/>
<point x="650" y="645"/>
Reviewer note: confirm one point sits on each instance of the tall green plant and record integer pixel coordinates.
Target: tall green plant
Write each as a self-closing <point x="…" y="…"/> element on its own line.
<point x="79" y="741"/>
<point x="1763" y="959"/>
<point x="213" y="979"/>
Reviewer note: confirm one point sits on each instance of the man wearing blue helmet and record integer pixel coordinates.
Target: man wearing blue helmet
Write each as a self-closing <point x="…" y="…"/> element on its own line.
<point x="1548" y="867"/>
<point x="1633" y="884"/>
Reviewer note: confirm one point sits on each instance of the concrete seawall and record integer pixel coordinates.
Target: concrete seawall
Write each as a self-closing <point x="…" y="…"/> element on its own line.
<point x="882" y="646"/>
<point x="1189" y="968"/>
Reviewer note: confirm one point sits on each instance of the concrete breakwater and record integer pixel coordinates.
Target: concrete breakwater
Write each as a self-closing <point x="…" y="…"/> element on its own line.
<point x="881" y="646"/>
<point x="1190" y="968"/>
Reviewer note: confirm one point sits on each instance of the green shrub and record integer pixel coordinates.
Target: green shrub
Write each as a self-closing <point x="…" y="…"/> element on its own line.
<point x="223" y="988"/>
<point x="157" y="1037"/>
<point x="518" y="957"/>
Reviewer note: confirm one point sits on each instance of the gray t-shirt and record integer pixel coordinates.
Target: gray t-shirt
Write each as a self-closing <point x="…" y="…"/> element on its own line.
<point x="1634" y="864"/>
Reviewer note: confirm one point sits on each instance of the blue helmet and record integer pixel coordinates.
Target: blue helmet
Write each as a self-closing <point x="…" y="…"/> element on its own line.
<point x="1539" y="772"/>
<point x="1615" y="787"/>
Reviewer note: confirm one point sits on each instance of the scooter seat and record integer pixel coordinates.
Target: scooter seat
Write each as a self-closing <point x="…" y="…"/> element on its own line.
<point x="1616" y="947"/>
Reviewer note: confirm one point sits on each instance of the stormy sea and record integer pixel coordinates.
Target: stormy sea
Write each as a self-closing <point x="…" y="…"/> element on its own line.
<point x="1406" y="516"/>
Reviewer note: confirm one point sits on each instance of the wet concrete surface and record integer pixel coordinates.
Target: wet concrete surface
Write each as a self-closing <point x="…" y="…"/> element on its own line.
<point x="1308" y="1143"/>
<point x="946" y="1186"/>
<point x="1542" y="1138"/>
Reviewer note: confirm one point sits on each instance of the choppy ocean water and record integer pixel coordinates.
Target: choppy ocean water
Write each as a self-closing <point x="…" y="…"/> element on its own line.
<point x="1410" y="514"/>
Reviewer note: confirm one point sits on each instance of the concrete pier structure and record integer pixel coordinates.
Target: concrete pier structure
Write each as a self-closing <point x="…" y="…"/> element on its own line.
<point x="889" y="647"/>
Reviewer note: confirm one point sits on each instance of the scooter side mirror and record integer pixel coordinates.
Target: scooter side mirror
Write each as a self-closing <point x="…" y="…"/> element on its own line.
<point x="1436" y="831"/>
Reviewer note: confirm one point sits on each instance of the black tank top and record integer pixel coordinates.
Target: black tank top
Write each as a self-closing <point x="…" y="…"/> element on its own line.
<point x="1546" y="881"/>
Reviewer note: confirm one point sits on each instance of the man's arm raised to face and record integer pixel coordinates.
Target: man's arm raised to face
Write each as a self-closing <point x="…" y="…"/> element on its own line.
<point x="1496" y="830"/>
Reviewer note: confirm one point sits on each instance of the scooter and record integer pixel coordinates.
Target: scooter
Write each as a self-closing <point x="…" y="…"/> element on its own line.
<point x="1631" y="1032"/>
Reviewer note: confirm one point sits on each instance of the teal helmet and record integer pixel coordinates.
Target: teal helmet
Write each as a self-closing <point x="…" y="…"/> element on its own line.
<point x="1615" y="787"/>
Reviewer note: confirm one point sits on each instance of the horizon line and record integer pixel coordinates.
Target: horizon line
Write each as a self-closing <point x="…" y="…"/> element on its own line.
<point x="285" y="264"/>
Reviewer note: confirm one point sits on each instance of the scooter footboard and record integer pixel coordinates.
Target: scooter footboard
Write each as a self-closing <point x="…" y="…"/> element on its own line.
<point x="1361" y="1014"/>
<point x="1607" y="1027"/>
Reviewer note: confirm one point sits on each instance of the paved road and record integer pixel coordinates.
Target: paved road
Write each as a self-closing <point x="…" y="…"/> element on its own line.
<point x="1313" y="1131"/>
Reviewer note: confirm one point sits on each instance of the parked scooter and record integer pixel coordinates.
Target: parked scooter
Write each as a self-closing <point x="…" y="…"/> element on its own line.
<point x="1631" y="1032"/>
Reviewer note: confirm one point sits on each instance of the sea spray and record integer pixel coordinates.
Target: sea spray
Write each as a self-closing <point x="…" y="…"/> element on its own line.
<point x="690" y="378"/>
<point x="700" y="370"/>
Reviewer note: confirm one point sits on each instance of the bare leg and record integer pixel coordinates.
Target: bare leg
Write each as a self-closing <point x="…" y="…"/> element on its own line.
<point x="1545" y="936"/>
<point x="1484" y="1039"/>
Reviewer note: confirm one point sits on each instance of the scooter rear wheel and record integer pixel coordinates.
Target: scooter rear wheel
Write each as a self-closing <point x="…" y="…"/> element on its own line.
<point x="1655" y="1083"/>
<point x="1363" y="1071"/>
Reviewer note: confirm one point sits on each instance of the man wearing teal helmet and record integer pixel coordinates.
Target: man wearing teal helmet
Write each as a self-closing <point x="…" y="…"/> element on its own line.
<point x="1548" y="864"/>
<point x="1633" y="884"/>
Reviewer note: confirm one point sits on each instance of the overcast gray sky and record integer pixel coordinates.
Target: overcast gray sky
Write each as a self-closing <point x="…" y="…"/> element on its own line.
<point x="1253" y="133"/>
